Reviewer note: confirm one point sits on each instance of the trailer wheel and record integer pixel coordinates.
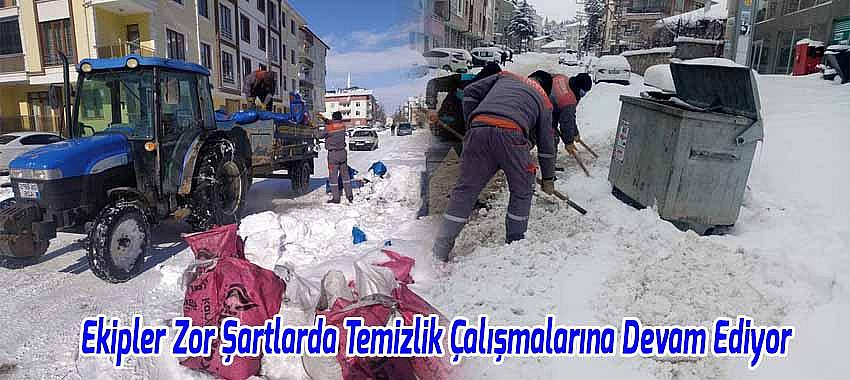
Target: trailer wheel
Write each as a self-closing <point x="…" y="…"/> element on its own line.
<point x="300" y="177"/>
<point x="118" y="242"/>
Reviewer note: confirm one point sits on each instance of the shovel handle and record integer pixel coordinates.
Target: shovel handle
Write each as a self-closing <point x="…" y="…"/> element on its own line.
<point x="584" y="168"/>
<point x="588" y="149"/>
<point x="566" y="199"/>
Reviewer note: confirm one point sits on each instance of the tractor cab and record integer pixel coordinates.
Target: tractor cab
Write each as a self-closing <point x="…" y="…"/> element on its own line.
<point x="144" y="147"/>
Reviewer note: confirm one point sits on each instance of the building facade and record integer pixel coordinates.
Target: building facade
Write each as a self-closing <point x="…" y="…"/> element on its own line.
<point x="628" y="23"/>
<point x="229" y="37"/>
<point x="503" y="13"/>
<point x="780" y="24"/>
<point x="357" y="106"/>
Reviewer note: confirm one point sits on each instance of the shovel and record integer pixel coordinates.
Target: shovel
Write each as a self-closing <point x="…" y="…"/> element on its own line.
<point x="566" y="199"/>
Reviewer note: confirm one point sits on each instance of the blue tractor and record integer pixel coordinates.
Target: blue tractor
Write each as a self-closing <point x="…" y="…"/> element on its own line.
<point x="145" y="146"/>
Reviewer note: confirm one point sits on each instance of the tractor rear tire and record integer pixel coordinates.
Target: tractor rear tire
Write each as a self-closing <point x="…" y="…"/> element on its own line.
<point x="118" y="242"/>
<point x="20" y="244"/>
<point x="300" y="177"/>
<point x="219" y="195"/>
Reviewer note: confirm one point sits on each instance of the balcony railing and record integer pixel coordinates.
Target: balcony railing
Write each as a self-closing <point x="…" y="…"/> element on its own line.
<point x="8" y="3"/>
<point x="121" y="49"/>
<point x="10" y="124"/>
<point x="12" y="63"/>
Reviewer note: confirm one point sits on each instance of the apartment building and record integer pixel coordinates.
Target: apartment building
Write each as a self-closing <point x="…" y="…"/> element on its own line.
<point x="313" y="70"/>
<point x="628" y="24"/>
<point x="503" y="13"/>
<point x="229" y="37"/>
<point x="357" y="105"/>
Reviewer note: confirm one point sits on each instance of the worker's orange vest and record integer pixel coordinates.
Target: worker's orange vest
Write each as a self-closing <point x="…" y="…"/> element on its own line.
<point x="562" y="94"/>
<point x="533" y="84"/>
<point x="335" y="126"/>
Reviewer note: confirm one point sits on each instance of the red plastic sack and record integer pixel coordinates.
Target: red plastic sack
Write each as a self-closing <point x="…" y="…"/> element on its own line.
<point x="228" y="286"/>
<point x="429" y="368"/>
<point x="400" y="265"/>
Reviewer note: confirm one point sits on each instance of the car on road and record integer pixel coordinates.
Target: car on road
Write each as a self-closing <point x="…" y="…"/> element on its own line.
<point x="482" y="55"/>
<point x="404" y="129"/>
<point x="448" y="59"/>
<point x="569" y="58"/>
<point x="13" y="144"/>
<point x="363" y="139"/>
<point x="611" y="68"/>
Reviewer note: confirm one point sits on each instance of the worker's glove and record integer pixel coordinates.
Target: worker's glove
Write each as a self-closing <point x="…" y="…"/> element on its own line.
<point x="571" y="148"/>
<point x="577" y="139"/>
<point x="548" y="186"/>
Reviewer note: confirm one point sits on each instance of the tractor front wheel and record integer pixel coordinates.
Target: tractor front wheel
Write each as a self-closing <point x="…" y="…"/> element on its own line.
<point x="118" y="242"/>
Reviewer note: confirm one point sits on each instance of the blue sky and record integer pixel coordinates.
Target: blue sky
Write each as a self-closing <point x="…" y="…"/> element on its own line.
<point x="369" y="39"/>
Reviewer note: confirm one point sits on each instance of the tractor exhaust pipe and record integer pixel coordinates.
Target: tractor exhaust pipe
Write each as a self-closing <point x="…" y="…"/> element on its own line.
<point x="66" y="77"/>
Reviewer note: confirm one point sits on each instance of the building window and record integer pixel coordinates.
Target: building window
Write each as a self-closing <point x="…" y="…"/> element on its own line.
<point x="294" y="86"/>
<point x="176" y="44"/>
<point x="246" y="66"/>
<point x="203" y="8"/>
<point x="10" y="37"/>
<point x="261" y="6"/>
<point x="283" y="51"/>
<point x="225" y="22"/>
<point x="292" y="26"/>
<point x="272" y="15"/>
<point x="261" y="38"/>
<point x="245" y="25"/>
<point x="264" y="67"/>
<point x="56" y="36"/>
<point x="273" y="49"/>
<point x="292" y="56"/>
<point x="285" y="88"/>
<point x="178" y="1"/>
<point x="227" y="67"/>
<point x="206" y="55"/>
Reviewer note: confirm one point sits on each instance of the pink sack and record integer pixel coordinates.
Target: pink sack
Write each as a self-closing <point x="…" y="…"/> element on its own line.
<point x="430" y="368"/>
<point x="229" y="286"/>
<point x="400" y="265"/>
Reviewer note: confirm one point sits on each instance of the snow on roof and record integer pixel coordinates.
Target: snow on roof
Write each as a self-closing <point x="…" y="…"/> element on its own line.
<point x="812" y="43"/>
<point x="698" y="40"/>
<point x="838" y="47"/>
<point x="557" y="44"/>
<point x="719" y="11"/>
<point x="541" y="38"/>
<point x="659" y="50"/>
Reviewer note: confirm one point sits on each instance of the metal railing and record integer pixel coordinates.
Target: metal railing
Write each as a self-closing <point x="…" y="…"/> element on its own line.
<point x="12" y="63"/>
<point x="53" y="124"/>
<point x="122" y="48"/>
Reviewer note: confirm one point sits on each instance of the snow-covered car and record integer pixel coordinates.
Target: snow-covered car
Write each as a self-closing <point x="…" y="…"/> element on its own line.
<point x="13" y="144"/>
<point x="611" y="68"/>
<point x="447" y="59"/>
<point x="482" y="55"/>
<point x="363" y="139"/>
<point x="569" y="58"/>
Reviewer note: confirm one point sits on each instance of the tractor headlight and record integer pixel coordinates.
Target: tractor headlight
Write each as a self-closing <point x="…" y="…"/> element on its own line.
<point x="20" y="173"/>
<point x="47" y="174"/>
<point x="86" y="67"/>
<point x="132" y="63"/>
<point x="36" y="174"/>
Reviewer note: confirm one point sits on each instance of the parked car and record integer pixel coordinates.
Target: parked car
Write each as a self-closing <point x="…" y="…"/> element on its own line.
<point x="447" y="59"/>
<point x="569" y="58"/>
<point x="482" y="55"/>
<point x="13" y="144"/>
<point x="363" y="139"/>
<point x="404" y="129"/>
<point x="611" y="68"/>
<point x="466" y="55"/>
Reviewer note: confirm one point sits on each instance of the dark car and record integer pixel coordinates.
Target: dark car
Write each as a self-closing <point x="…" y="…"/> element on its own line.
<point x="404" y="129"/>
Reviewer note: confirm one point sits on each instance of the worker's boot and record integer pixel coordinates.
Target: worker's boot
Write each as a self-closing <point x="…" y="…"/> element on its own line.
<point x="351" y="199"/>
<point x="334" y="201"/>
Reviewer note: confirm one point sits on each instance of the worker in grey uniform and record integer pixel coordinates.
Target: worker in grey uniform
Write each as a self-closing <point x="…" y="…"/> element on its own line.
<point x="566" y="93"/>
<point x="507" y="115"/>
<point x="334" y="136"/>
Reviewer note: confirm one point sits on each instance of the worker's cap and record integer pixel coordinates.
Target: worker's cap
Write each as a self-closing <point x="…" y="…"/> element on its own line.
<point x="544" y="79"/>
<point x="336" y="115"/>
<point x="581" y="83"/>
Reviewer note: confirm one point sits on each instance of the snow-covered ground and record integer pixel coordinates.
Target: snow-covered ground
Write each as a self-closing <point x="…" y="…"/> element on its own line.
<point x="786" y="261"/>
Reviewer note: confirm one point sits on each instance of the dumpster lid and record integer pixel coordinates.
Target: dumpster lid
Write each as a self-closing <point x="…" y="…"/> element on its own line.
<point x="717" y="84"/>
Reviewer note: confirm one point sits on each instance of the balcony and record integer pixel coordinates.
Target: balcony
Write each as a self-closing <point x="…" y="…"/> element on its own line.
<point x="121" y="49"/>
<point x="13" y="63"/>
<point x="126" y="7"/>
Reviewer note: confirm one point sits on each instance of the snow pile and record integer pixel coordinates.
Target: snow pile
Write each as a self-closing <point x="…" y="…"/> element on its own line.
<point x="660" y="50"/>
<point x="693" y="40"/>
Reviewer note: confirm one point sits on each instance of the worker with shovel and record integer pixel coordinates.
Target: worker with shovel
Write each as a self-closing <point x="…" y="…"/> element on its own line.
<point x="334" y="135"/>
<point x="506" y="115"/>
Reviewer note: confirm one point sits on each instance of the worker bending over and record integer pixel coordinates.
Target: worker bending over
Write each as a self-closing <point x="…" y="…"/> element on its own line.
<point x="507" y="115"/>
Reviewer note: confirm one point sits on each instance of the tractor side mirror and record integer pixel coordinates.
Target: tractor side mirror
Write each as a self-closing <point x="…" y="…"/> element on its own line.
<point x="54" y="96"/>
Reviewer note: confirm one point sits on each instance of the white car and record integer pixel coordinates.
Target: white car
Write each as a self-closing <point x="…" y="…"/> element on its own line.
<point x="569" y="58"/>
<point x="363" y="139"/>
<point x="13" y="144"/>
<point x="447" y="59"/>
<point x="482" y="55"/>
<point x="611" y="68"/>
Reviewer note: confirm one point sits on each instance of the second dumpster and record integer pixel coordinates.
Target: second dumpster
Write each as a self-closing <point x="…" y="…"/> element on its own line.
<point x="689" y="154"/>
